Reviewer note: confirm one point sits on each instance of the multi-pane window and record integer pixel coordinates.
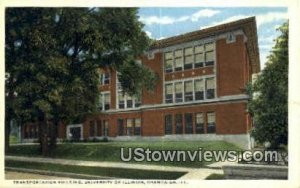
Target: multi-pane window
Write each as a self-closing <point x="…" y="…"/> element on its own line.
<point x="209" y="54"/>
<point x="178" y="60"/>
<point x="137" y="126"/>
<point x="120" y="123"/>
<point x="188" y="91"/>
<point x="121" y="100"/>
<point x="188" y="58"/>
<point x="100" y="103"/>
<point x="129" y="101"/>
<point x="168" y="124"/>
<point x="178" y="92"/>
<point x="169" y="93"/>
<point x="106" y="101"/>
<point x="199" y="56"/>
<point x="105" y="127"/>
<point x="104" y="78"/>
<point x="169" y="62"/>
<point x="211" y="122"/>
<point x="199" y="123"/>
<point x="188" y="119"/>
<point x="129" y="126"/>
<point x="210" y="88"/>
<point x="178" y="123"/>
<point x="199" y="89"/>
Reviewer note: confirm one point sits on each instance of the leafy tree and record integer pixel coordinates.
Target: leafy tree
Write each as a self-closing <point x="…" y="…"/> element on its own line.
<point x="53" y="56"/>
<point x="270" y="93"/>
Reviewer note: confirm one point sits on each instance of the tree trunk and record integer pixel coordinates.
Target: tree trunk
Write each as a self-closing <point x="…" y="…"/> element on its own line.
<point x="43" y="137"/>
<point x="53" y="135"/>
<point x="7" y="132"/>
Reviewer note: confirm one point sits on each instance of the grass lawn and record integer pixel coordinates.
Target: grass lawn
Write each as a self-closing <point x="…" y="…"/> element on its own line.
<point x="215" y="177"/>
<point x="110" y="151"/>
<point x="98" y="171"/>
<point x="13" y="139"/>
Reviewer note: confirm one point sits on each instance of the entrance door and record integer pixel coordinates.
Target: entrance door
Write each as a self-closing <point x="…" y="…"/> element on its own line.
<point x="76" y="133"/>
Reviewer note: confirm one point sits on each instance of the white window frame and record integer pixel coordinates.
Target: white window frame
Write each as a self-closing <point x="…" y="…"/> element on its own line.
<point x="172" y="50"/>
<point x="193" y="83"/>
<point x="102" y="93"/>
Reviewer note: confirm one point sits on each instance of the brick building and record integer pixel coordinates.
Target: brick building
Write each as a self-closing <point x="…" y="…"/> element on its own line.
<point x="200" y="94"/>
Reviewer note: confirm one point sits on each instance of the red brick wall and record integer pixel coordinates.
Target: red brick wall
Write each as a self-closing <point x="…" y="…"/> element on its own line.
<point x="231" y="118"/>
<point x="156" y="96"/>
<point x="189" y="73"/>
<point x="231" y="67"/>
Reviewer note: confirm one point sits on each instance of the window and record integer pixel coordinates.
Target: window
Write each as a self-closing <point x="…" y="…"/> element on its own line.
<point x="209" y="54"/>
<point x="168" y="61"/>
<point x="100" y="104"/>
<point x="137" y="126"/>
<point x="169" y="93"/>
<point x="199" y="123"/>
<point x="211" y="122"/>
<point x="105" y="127"/>
<point x="199" y="89"/>
<point x="188" y="58"/>
<point x="178" y="92"/>
<point x="104" y="78"/>
<point x="178" y="60"/>
<point x="199" y="56"/>
<point x="106" y="101"/>
<point x="188" y="118"/>
<point x="120" y="123"/>
<point x="188" y="91"/>
<point x="210" y="88"/>
<point x="92" y="128"/>
<point x="178" y="124"/>
<point x="168" y="124"/>
<point x="129" y="101"/>
<point x="121" y="100"/>
<point x="129" y="126"/>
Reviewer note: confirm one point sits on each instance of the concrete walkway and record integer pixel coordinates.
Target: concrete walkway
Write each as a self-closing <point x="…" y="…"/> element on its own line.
<point x="192" y="173"/>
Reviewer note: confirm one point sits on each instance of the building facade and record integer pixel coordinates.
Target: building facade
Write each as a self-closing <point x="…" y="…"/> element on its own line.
<point x="200" y="94"/>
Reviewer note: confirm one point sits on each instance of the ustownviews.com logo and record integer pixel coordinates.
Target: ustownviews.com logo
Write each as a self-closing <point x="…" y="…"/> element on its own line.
<point x="146" y="154"/>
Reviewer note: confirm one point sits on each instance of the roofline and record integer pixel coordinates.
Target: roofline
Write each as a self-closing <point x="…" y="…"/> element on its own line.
<point x="247" y="25"/>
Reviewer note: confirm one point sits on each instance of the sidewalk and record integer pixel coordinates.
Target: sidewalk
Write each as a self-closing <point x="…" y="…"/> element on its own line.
<point x="192" y="173"/>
